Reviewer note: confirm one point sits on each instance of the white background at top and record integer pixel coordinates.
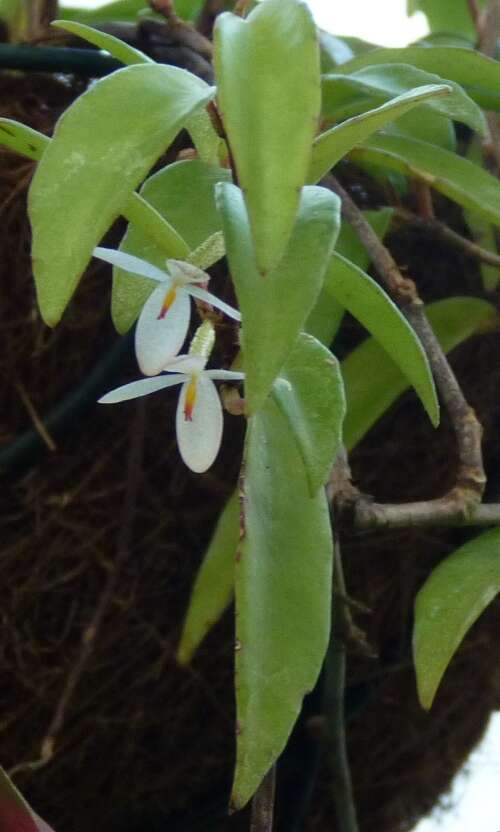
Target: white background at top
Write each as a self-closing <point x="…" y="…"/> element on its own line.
<point x="379" y="21"/>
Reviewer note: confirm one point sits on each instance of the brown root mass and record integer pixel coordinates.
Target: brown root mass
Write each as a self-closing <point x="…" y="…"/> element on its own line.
<point x="140" y="737"/>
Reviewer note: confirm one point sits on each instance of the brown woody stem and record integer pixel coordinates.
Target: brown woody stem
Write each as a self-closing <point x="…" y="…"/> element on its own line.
<point x="470" y="481"/>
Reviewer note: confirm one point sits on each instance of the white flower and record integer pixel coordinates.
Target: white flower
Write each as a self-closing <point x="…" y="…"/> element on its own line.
<point x="199" y="416"/>
<point x="163" y="323"/>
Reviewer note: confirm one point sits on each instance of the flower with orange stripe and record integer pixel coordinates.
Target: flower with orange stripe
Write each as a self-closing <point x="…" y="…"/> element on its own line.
<point x="163" y="323"/>
<point x="199" y="418"/>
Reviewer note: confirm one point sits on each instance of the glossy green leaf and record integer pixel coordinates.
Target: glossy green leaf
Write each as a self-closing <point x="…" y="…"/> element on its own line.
<point x="283" y="592"/>
<point x="22" y="139"/>
<point x="310" y="393"/>
<point x="15" y="813"/>
<point x="477" y="74"/>
<point x="213" y="589"/>
<point x="101" y="149"/>
<point x="330" y="147"/>
<point x="447" y="15"/>
<point x="456" y="177"/>
<point x="275" y="307"/>
<point x="326" y="316"/>
<point x="373" y="308"/>
<point x="118" y="48"/>
<point x="182" y="193"/>
<point x="450" y="601"/>
<point x="373" y="381"/>
<point x="384" y="81"/>
<point x="267" y="68"/>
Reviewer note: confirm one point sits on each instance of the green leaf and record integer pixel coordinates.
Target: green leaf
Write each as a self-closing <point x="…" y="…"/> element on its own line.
<point x="326" y="316"/>
<point x="484" y="235"/>
<point x="477" y="74"/>
<point x="373" y="381"/>
<point x="213" y="589"/>
<point x="447" y="15"/>
<point x="383" y="81"/>
<point x="330" y="147"/>
<point x="183" y="194"/>
<point x="267" y="68"/>
<point x="450" y="601"/>
<point x="275" y="307"/>
<point x="205" y="139"/>
<point x="15" y="813"/>
<point x="22" y="139"/>
<point x="373" y="308"/>
<point x="434" y="129"/>
<point x="457" y="178"/>
<point x="102" y="148"/>
<point x="116" y="47"/>
<point x="310" y="394"/>
<point x="283" y="593"/>
<point x="481" y="231"/>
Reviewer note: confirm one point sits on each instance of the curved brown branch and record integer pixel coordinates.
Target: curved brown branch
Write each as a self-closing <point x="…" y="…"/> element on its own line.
<point x="470" y="481"/>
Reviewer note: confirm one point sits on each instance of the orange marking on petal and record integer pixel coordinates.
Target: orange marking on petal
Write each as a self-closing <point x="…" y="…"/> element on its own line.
<point x="167" y="302"/>
<point x="190" y="400"/>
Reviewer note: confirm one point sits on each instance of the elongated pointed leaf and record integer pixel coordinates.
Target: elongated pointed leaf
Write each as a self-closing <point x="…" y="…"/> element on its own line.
<point x="368" y="302"/>
<point x="383" y="81"/>
<point x="452" y="598"/>
<point x="22" y="139"/>
<point x="456" y="177"/>
<point x="283" y="592"/>
<point x="275" y="307"/>
<point x="102" y="148"/>
<point x="118" y="48"/>
<point x="182" y="193"/>
<point x="477" y="74"/>
<point x="330" y="147"/>
<point x="373" y="381"/>
<point x="267" y="68"/>
<point x="213" y="588"/>
<point x="326" y="316"/>
<point x="310" y="394"/>
<point x="15" y="813"/>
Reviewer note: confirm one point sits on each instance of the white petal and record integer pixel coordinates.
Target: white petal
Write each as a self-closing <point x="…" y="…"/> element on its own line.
<point x="158" y="340"/>
<point x="186" y="272"/>
<point x="186" y="364"/>
<point x="213" y="300"/>
<point x="143" y="387"/>
<point x="131" y="264"/>
<point x="199" y="440"/>
<point x="224" y="375"/>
